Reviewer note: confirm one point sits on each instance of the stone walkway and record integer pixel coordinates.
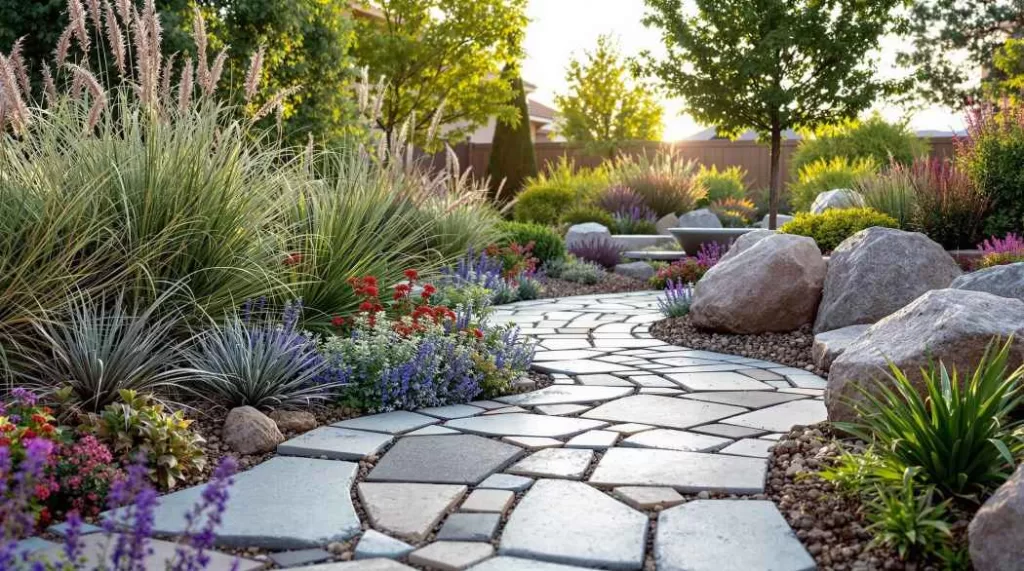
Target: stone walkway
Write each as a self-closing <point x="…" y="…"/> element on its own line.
<point x="612" y="467"/>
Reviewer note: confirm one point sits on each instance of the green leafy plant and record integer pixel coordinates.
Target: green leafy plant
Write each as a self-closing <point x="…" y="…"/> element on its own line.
<point x="892" y="191"/>
<point x="823" y="175"/>
<point x="908" y="520"/>
<point x="722" y="184"/>
<point x="548" y="244"/>
<point x="584" y="213"/>
<point x="831" y="227"/>
<point x="573" y="269"/>
<point x="665" y="181"/>
<point x="951" y="209"/>
<point x="734" y="212"/>
<point x="873" y="138"/>
<point x="543" y="203"/>
<point x="957" y="434"/>
<point x="991" y="156"/>
<point x="136" y="424"/>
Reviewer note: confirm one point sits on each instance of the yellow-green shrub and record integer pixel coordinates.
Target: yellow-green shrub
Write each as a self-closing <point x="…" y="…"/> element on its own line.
<point x="546" y="198"/>
<point x="822" y="175"/>
<point x="585" y="213"/>
<point x="831" y="227"/>
<point x="722" y="184"/>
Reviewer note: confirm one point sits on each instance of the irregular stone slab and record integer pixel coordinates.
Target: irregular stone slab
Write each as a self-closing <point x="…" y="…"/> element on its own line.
<point x="395" y="422"/>
<point x="506" y="410"/>
<point x="409" y="511"/>
<point x="627" y="343"/>
<point x="567" y="354"/>
<point x="675" y="440"/>
<point x="31" y="545"/>
<point x="469" y="527"/>
<point x="687" y="472"/>
<point x="335" y="444"/>
<point x="728" y="535"/>
<point x="506" y="482"/>
<point x="751" y="399"/>
<point x="556" y="344"/>
<point x="652" y="381"/>
<point x="783" y="417"/>
<point x="644" y="498"/>
<point x="96" y="552"/>
<point x="580" y="367"/>
<point x="808" y="381"/>
<point x="760" y="374"/>
<point x="533" y="442"/>
<point x="451" y="411"/>
<point x="593" y="440"/>
<point x="432" y="431"/>
<point x="1005" y="281"/>
<point x="637" y="270"/>
<point x="684" y="361"/>
<point x="829" y="345"/>
<point x="592" y="529"/>
<point x="379" y="564"/>
<point x="603" y="381"/>
<point x="286" y="559"/>
<point x="753" y="447"/>
<point x="721" y="381"/>
<point x="518" y="424"/>
<point x="566" y="394"/>
<point x="728" y="430"/>
<point x="451" y="555"/>
<point x="502" y="563"/>
<point x="629" y="428"/>
<point x="488" y="501"/>
<point x="375" y="544"/>
<point x="555" y="463"/>
<point x="662" y="411"/>
<point x="270" y="506"/>
<point x="561" y="409"/>
<point x="459" y="459"/>
<point x="996" y="529"/>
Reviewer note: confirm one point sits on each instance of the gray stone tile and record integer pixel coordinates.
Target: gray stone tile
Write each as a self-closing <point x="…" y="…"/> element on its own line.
<point x="432" y="431"/>
<point x="807" y="381"/>
<point x="603" y="381"/>
<point x="457" y="459"/>
<point x="663" y="391"/>
<point x="578" y="367"/>
<point x="469" y="527"/>
<point x="451" y="555"/>
<point x="96" y="554"/>
<point x="728" y="535"/>
<point x="773" y="437"/>
<point x="61" y="529"/>
<point x="629" y="428"/>
<point x="678" y="361"/>
<point x="502" y="563"/>
<point x="676" y="440"/>
<point x="487" y="404"/>
<point x="377" y="564"/>
<point x="725" y="381"/>
<point x="451" y="411"/>
<point x="518" y="424"/>
<point x="808" y="392"/>
<point x="567" y="394"/>
<point x="779" y="384"/>
<point x="31" y="545"/>
<point x="375" y="544"/>
<point x="506" y="482"/>
<point x="565" y="344"/>
<point x="593" y="440"/>
<point x="567" y="354"/>
<point x="335" y="444"/>
<point x="662" y="411"/>
<point x="271" y="505"/>
<point x="408" y="511"/>
<point x="533" y="442"/>
<point x="626" y="343"/>
<point x="646" y="498"/>
<point x="753" y="447"/>
<point x="727" y="430"/>
<point x="572" y="523"/>
<point x="491" y="501"/>
<point x="554" y="463"/>
<point x="505" y="410"/>
<point x="687" y="472"/>
<point x="287" y="559"/>
<point x="652" y="381"/>
<point x="748" y="399"/>
<point x="562" y="409"/>
<point x="761" y="374"/>
<point x="395" y="422"/>
<point x="782" y="417"/>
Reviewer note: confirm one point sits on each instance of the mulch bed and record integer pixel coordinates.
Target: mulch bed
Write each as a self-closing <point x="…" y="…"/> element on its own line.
<point x="611" y="283"/>
<point x="792" y="349"/>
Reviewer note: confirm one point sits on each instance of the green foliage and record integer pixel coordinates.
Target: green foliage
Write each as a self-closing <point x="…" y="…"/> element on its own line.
<point x="892" y="191"/>
<point x="951" y="209"/>
<point x="665" y="181"/>
<point x="908" y="520"/>
<point x="824" y="175"/>
<point x="770" y="65"/>
<point x="833" y="226"/>
<point x="442" y="63"/>
<point x="721" y="184"/>
<point x="1008" y="67"/>
<point x="734" y="212"/>
<point x="512" y="159"/>
<point x="550" y="194"/>
<point x="548" y="245"/>
<point x="573" y="269"/>
<point x="137" y="424"/>
<point x="587" y="213"/>
<point x="873" y="138"/>
<point x="992" y="157"/>
<point x="960" y="435"/>
<point x="604" y="106"/>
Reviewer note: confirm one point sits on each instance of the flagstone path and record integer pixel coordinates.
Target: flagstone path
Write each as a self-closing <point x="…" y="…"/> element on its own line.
<point x="615" y="466"/>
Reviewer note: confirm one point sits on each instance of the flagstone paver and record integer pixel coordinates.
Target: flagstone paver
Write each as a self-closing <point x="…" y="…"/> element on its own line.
<point x="487" y="501"/>
<point x="457" y="459"/>
<point x="451" y="555"/>
<point x="662" y="411"/>
<point x="646" y="498"/>
<point x="390" y="422"/>
<point x="567" y="394"/>
<point x="375" y="544"/>
<point x="409" y="511"/>
<point x="676" y="440"/>
<point x="469" y="527"/>
<point x="688" y="472"/>
<point x="519" y="424"/>
<point x="555" y="463"/>
<point x="335" y="443"/>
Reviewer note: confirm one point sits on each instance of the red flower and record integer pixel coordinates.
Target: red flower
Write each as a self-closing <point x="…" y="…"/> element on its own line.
<point x="429" y="290"/>
<point x="38" y="418"/>
<point x="29" y="433"/>
<point x="366" y="306"/>
<point x="293" y="258"/>
<point x="413" y="275"/>
<point x="371" y="291"/>
<point x="477" y="333"/>
<point x="337" y="321"/>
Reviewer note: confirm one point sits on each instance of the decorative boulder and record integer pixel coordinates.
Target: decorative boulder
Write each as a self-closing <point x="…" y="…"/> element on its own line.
<point x="951" y="325"/>
<point x="665" y="222"/>
<point x="586" y="232"/>
<point x="1004" y="281"/>
<point x="838" y="198"/>
<point x="636" y="270"/>
<point x="293" y="420"/>
<point x="876" y="272"/>
<point x="831" y="344"/>
<point x="249" y="431"/>
<point x="780" y="220"/>
<point x="744" y="242"/>
<point x="772" y="285"/>
<point x="700" y="218"/>
<point x="994" y="535"/>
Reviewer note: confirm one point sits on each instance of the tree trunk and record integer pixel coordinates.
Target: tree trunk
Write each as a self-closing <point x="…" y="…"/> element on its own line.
<point x="775" y="186"/>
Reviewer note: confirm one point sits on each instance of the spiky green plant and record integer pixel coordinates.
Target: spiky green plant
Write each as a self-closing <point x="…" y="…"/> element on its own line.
<point x="908" y="520"/>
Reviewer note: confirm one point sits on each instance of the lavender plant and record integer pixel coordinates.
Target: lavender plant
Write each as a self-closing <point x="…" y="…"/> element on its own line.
<point x="635" y="220"/>
<point x="676" y="300"/>
<point x="620" y="198"/>
<point x="602" y="251"/>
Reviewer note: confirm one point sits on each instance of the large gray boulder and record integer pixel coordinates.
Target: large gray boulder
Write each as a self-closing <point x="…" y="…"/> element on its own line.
<point x="772" y="285"/>
<point x="995" y="534"/>
<point x="744" y="242"/>
<point x="780" y="220"/>
<point x="700" y="218"/>
<point x="951" y="325"/>
<point x="876" y="272"/>
<point x="249" y="431"/>
<point x="586" y="232"/>
<point x="836" y="198"/>
<point x="829" y="345"/>
<point x="1004" y="281"/>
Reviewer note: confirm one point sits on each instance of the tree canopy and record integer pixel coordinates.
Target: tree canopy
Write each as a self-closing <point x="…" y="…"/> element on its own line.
<point x="770" y="65"/>
<point x="512" y="159"/>
<point x="441" y="60"/>
<point x="604" y="105"/>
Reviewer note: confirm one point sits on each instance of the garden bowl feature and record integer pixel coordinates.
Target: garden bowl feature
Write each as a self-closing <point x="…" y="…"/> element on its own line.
<point x="691" y="238"/>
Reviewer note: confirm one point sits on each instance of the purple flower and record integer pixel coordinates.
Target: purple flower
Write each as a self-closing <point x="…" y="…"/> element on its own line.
<point x="193" y="556"/>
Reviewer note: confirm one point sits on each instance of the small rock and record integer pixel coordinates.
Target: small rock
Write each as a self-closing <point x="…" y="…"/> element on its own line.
<point x="249" y="431"/>
<point x="995" y="532"/>
<point x="293" y="420"/>
<point x="582" y="233"/>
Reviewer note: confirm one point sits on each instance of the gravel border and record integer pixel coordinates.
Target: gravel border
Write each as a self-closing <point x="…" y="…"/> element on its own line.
<point x="610" y="283"/>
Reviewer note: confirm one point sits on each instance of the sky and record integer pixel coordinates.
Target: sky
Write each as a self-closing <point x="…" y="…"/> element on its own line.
<point x="562" y="29"/>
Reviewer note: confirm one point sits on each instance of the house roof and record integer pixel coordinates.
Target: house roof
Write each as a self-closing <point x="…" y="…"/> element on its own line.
<point x="711" y="134"/>
<point x="540" y="111"/>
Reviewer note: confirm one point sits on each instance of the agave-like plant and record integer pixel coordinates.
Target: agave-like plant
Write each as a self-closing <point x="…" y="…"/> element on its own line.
<point x="960" y="435"/>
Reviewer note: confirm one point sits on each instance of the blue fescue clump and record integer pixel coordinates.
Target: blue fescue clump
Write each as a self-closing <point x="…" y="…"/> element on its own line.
<point x="676" y="299"/>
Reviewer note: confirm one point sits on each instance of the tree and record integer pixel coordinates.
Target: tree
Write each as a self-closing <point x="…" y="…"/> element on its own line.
<point x="512" y="158"/>
<point x="441" y="60"/>
<point x="770" y="65"/>
<point x="604" y="107"/>
<point x="951" y="42"/>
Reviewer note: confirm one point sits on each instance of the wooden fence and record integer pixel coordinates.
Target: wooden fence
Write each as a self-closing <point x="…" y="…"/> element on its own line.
<point x="752" y="156"/>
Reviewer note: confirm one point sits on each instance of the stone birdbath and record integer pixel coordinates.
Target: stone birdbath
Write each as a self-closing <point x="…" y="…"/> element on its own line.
<point x="691" y="238"/>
